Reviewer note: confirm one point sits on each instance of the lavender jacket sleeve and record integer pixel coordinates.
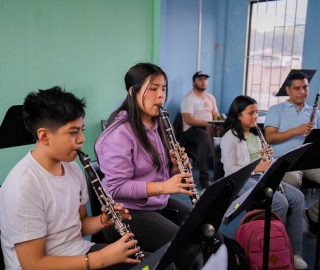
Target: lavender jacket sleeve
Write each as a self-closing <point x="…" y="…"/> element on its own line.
<point x="128" y="168"/>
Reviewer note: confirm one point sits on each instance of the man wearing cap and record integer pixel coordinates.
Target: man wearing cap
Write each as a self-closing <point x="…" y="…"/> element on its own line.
<point x="286" y="127"/>
<point x="198" y="108"/>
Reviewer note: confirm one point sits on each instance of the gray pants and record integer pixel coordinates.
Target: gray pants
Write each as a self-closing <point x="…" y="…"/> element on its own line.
<point x="295" y="179"/>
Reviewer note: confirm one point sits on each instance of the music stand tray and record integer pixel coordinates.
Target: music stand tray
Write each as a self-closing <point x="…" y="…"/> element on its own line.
<point x="311" y="158"/>
<point x="152" y="261"/>
<point x="12" y="130"/>
<point x="267" y="179"/>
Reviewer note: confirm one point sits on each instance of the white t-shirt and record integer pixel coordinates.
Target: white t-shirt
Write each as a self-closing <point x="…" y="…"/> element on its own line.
<point x="201" y="108"/>
<point x="36" y="204"/>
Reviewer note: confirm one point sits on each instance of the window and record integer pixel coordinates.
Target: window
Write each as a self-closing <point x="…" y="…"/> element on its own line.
<point x="275" y="46"/>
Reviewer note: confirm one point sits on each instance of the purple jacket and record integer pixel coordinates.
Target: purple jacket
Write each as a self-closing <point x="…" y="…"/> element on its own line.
<point x="127" y="167"/>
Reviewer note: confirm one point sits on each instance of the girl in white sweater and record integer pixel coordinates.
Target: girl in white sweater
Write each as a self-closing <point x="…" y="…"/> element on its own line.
<point x="240" y="145"/>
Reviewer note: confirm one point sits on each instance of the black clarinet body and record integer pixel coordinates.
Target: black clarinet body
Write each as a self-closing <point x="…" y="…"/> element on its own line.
<point x="106" y="200"/>
<point x="312" y="118"/>
<point x="267" y="155"/>
<point x="175" y="147"/>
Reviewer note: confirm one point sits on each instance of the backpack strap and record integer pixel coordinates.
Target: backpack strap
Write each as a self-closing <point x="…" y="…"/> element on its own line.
<point x="258" y="215"/>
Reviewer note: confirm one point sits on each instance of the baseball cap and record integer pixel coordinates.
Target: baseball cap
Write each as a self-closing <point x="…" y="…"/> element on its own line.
<point x="199" y="74"/>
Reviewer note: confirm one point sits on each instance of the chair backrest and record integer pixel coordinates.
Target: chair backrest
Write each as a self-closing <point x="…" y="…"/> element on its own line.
<point x="190" y="148"/>
<point x="94" y="202"/>
<point x="104" y="124"/>
<point x="178" y="129"/>
<point x="217" y="164"/>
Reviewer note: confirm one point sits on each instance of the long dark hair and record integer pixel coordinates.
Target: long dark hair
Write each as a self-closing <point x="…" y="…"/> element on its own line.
<point x="134" y="79"/>
<point x="232" y="122"/>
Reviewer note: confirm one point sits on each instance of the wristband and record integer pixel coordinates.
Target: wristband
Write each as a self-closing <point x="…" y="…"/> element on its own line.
<point x="87" y="261"/>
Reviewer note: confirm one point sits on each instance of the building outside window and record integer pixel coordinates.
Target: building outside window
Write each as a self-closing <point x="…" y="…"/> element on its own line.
<point x="275" y="46"/>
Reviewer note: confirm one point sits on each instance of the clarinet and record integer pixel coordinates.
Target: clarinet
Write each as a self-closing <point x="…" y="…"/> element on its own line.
<point x="106" y="200"/>
<point x="314" y="109"/>
<point x="267" y="155"/>
<point x="175" y="147"/>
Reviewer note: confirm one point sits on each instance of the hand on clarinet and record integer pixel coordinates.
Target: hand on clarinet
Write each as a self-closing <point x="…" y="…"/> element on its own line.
<point x="261" y="167"/>
<point x="106" y="218"/>
<point x="262" y="153"/>
<point x="121" y="251"/>
<point x="303" y="129"/>
<point x="185" y="158"/>
<point x="175" y="184"/>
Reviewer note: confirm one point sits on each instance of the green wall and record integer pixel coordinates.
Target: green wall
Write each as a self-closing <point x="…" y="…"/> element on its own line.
<point x="84" y="46"/>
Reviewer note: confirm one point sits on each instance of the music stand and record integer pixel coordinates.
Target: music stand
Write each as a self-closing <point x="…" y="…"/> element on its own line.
<point x="12" y="130"/>
<point x="203" y="220"/>
<point x="263" y="192"/>
<point x="311" y="160"/>
<point x="152" y="261"/>
<point x="205" y="217"/>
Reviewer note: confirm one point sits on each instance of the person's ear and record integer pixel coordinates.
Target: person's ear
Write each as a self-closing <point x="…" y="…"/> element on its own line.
<point x="130" y="91"/>
<point x="287" y="90"/>
<point x="43" y="135"/>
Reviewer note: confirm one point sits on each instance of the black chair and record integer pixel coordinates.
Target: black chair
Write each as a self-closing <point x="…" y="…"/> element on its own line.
<point x="190" y="148"/>
<point x="94" y="202"/>
<point x="309" y="184"/>
<point x="218" y="171"/>
<point x="104" y="124"/>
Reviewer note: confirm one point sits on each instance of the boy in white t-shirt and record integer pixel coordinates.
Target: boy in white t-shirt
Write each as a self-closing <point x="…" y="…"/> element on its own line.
<point x="43" y="214"/>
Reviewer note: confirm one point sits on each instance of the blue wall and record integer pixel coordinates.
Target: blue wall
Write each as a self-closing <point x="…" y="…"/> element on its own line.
<point x="224" y="34"/>
<point x="311" y="53"/>
<point x="223" y="42"/>
<point x="179" y="46"/>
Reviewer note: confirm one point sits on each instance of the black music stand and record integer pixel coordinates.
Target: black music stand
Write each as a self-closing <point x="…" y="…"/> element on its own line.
<point x="204" y="219"/>
<point x="263" y="192"/>
<point x="12" y="130"/>
<point x="311" y="160"/>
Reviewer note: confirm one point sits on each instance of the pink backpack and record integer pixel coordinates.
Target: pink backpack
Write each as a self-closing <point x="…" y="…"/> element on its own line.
<point x="250" y="235"/>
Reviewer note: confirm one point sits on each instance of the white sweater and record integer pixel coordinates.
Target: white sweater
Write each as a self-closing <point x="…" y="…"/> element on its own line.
<point x="234" y="153"/>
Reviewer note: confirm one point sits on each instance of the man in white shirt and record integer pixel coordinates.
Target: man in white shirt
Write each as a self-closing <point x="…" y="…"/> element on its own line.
<point x="198" y="108"/>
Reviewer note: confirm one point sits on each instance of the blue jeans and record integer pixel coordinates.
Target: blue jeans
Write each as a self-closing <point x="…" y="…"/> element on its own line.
<point x="293" y="221"/>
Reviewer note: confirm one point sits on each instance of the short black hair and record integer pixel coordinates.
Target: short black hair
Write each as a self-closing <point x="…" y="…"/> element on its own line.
<point x="51" y="108"/>
<point x="296" y="76"/>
